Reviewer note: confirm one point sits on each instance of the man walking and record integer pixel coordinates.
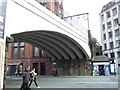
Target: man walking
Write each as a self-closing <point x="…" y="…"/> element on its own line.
<point x="33" y="78"/>
<point x="26" y="77"/>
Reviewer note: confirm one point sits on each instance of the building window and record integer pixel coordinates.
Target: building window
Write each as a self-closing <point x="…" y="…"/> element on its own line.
<point x="117" y="32"/>
<point x="44" y="3"/>
<point x="103" y="26"/>
<point x="118" y="53"/>
<point x="112" y="55"/>
<point x="15" y="52"/>
<point x="15" y="49"/>
<point x="15" y="44"/>
<point x="116" y="22"/>
<point x="105" y="46"/>
<point x="110" y="34"/>
<point x="61" y="9"/>
<point x="108" y="14"/>
<point x="18" y="50"/>
<point x="118" y="43"/>
<point x="21" y="52"/>
<point x="43" y="54"/>
<point x="55" y="7"/>
<point x="102" y="17"/>
<point x="36" y="52"/>
<point x="114" y="11"/>
<point x="109" y="25"/>
<point x="104" y="36"/>
<point x="22" y="44"/>
<point x="111" y="45"/>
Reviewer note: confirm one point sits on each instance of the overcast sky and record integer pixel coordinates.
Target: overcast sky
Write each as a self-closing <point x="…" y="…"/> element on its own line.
<point x="93" y="7"/>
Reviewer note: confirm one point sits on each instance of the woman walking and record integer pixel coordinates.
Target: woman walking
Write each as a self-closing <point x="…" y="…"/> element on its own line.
<point x="33" y="78"/>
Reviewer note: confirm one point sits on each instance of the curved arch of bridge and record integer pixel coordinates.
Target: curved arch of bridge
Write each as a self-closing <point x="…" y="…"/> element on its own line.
<point x="56" y="45"/>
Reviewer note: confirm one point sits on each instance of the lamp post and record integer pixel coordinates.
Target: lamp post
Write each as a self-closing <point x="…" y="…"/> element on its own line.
<point x="114" y="68"/>
<point x="113" y="58"/>
<point x="28" y="56"/>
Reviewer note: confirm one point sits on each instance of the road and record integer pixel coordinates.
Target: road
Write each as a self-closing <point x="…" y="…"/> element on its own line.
<point x="68" y="82"/>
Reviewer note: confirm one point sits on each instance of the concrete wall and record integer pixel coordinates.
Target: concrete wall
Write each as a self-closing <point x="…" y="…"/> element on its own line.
<point x="74" y="67"/>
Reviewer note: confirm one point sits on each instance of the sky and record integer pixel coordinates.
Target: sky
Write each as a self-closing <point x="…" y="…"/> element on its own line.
<point x="93" y="7"/>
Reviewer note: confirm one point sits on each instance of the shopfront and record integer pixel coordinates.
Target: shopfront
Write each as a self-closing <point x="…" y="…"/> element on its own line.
<point x="15" y="68"/>
<point x="101" y="68"/>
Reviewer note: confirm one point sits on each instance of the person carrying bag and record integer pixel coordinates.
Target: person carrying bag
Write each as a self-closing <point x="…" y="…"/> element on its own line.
<point x="33" y="78"/>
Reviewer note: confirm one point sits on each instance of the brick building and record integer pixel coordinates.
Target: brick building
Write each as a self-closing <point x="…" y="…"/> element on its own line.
<point x="22" y="55"/>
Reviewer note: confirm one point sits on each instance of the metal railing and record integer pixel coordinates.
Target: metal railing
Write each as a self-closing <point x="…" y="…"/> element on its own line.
<point x="74" y="22"/>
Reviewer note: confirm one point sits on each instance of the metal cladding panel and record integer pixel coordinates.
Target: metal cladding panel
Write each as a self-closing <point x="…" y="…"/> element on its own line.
<point x="60" y="45"/>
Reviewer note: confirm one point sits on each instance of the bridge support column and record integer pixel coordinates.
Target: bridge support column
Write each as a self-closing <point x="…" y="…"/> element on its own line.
<point x="71" y="68"/>
<point x="83" y="67"/>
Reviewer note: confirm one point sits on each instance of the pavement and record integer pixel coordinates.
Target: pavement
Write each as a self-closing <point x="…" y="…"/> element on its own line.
<point x="68" y="82"/>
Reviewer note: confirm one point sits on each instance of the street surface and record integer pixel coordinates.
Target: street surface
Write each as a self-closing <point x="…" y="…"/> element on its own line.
<point x="68" y="82"/>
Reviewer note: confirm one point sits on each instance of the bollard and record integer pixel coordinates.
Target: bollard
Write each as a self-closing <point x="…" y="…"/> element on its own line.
<point x="93" y="73"/>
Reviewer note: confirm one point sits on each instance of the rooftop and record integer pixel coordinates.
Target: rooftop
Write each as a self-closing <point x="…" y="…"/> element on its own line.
<point x="109" y="5"/>
<point x="101" y="58"/>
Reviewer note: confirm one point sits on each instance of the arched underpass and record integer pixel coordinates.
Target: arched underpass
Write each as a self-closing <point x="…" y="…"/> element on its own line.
<point x="65" y="45"/>
<point x="67" y="55"/>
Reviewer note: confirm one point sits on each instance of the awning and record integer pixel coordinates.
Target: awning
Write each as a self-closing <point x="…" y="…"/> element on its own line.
<point x="13" y="64"/>
<point x="101" y="58"/>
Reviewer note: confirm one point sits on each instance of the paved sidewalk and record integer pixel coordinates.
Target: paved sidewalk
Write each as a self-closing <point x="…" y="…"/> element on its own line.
<point x="51" y="76"/>
<point x="67" y="82"/>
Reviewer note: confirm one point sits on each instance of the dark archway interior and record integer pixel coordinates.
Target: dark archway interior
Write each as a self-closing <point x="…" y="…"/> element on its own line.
<point x="57" y="45"/>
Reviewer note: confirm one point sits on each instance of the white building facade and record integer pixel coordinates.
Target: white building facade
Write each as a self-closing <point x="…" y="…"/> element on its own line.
<point x="110" y="33"/>
<point x="2" y="40"/>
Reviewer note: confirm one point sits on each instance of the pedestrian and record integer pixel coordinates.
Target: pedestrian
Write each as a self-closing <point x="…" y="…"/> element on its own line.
<point x="16" y="72"/>
<point x="26" y="77"/>
<point x="33" y="78"/>
<point x="55" y="71"/>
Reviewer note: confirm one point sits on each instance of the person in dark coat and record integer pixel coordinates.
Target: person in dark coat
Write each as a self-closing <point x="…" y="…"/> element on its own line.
<point x="26" y="78"/>
<point x="55" y="71"/>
